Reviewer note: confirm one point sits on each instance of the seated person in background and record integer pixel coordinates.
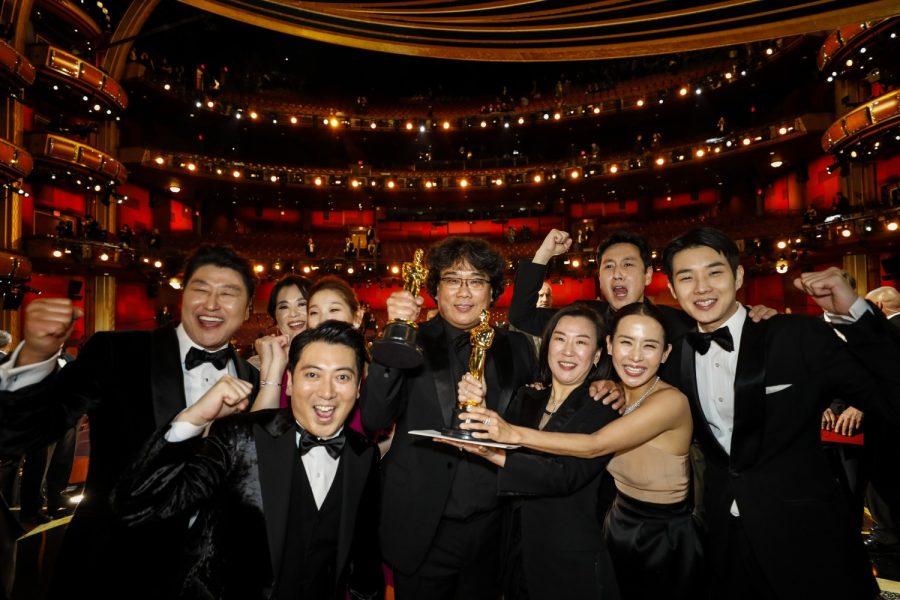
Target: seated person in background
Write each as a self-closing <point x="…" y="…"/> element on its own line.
<point x="273" y="521"/>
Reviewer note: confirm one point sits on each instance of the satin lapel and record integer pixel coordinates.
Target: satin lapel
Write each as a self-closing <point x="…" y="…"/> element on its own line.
<point x="532" y="407"/>
<point x="247" y="372"/>
<point x="749" y="395"/>
<point x="500" y="359"/>
<point x="354" y="480"/>
<point x="166" y="375"/>
<point x="434" y="349"/>
<point x="688" y="386"/>
<point x="572" y="405"/>
<point x="275" y="450"/>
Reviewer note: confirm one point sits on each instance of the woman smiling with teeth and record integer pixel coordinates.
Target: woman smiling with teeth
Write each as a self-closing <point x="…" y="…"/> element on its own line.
<point x="650" y="531"/>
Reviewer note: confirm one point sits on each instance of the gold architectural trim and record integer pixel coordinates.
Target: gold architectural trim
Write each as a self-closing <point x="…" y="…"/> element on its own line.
<point x="18" y="67"/>
<point x="864" y="120"/>
<point x="58" y="149"/>
<point x="15" y="162"/>
<point x="59" y="64"/>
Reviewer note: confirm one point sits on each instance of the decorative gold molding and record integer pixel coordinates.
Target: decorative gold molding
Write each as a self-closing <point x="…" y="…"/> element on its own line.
<point x="15" y="66"/>
<point x="58" y="149"/>
<point x="871" y="117"/>
<point x="59" y="64"/>
<point x="15" y="162"/>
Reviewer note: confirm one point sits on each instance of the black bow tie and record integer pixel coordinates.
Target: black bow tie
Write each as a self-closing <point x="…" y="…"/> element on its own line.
<point x="196" y="357"/>
<point x="333" y="445"/>
<point x="700" y="340"/>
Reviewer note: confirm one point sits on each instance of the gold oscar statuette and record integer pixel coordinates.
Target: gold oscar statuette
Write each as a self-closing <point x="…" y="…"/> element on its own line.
<point x="480" y="338"/>
<point x="398" y="347"/>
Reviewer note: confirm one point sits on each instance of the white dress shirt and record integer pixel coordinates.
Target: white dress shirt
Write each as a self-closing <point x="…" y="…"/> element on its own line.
<point x="15" y="378"/>
<point x="198" y="380"/>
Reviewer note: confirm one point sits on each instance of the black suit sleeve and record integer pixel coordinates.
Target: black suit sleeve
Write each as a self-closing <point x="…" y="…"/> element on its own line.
<point x="534" y="474"/>
<point x="366" y="578"/>
<point x="523" y="312"/>
<point x="39" y="414"/>
<point x="172" y="478"/>
<point x="381" y="401"/>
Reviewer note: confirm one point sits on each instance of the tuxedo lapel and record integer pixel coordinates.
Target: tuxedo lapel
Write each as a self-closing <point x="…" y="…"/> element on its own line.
<point x="572" y="405"/>
<point x="276" y="446"/>
<point x="435" y="351"/>
<point x="166" y="375"/>
<point x="500" y="359"/>
<point x="688" y="386"/>
<point x="355" y="473"/>
<point x="749" y="395"/>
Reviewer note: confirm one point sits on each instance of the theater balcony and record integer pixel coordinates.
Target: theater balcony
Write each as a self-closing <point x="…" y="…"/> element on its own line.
<point x="15" y="162"/>
<point x="70" y="24"/>
<point x="871" y="120"/>
<point x="16" y="72"/>
<point x="66" y="161"/>
<point x="65" y="81"/>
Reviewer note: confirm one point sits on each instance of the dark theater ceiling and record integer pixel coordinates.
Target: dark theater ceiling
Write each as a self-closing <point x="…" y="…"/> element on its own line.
<point x="545" y="30"/>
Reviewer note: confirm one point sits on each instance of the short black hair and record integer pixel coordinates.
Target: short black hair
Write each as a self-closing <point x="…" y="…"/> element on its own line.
<point x="289" y="280"/>
<point x="331" y="332"/>
<point x="478" y="253"/>
<point x="645" y="309"/>
<point x="700" y="237"/>
<point x="602" y="369"/>
<point x="224" y="256"/>
<point x="627" y="237"/>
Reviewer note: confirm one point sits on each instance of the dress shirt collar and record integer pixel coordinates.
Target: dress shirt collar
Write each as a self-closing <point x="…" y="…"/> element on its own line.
<point x="735" y="325"/>
<point x="185" y="343"/>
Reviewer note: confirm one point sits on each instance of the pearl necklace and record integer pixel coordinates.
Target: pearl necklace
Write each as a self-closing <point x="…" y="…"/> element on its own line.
<point x="646" y="393"/>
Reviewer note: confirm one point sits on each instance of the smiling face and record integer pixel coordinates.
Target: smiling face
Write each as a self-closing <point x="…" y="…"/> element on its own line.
<point x="572" y="351"/>
<point x="461" y="306"/>
<point x="214" y="305"/>
<point x="290" y="311"/>
<point x="704" y="285"/>
<point x="324" y="387"/>
<point x="327" y="304"/>
<point x="623" y="275"/>
<point x="637" y="349"/>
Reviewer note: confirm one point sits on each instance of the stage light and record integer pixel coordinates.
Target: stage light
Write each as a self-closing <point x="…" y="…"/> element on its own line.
<point x="849" y="62"/>
<point x="104" y="257"/>
<point x="700" y="153"/>
<point x="57" y="253"/>
<point x="576" y="263"/>
<point x="537" y="178"/>
<point x="640" y="102"/>
<point x="333" y="122"/>
<point x="746" y="141"/>
<point x="236" y="174"/>
<point x="428" y="185"/>
<point x="483" y="124"/>
<point x="463" y="183"/>
<point x="210" y="104"/>
<point x="446" y="125"/>
<point x="391" y="184"/>
<point x="614" y="169"/>
<point x="350" y="271"/>
<point x="174" y="188"/>
<point x="157" y="263"/>
<point x="846" y="232"/>
<point x="556" y="116"/>
<point x="892" y="226"/>
<point x="683" y="91"/>
<point x="546" y="116"/>
<point x="769" y="52"/>
<point x="782" y="130"/>
<point x="167" y="87"/>
<point x="258" y="268"/>
<point x="574" y="174"/>
<point x="306" y="269"/>
<point x="274" y="178"/>
<point x="775" y="160"/>
<point x="421" y="129"/>
<point x="521" y="120"/>
<point x="409" y="126"/>
<point x="728" y="76"/>
<point x="781" y="245"/>
<point x="218" y="171"/>
<point x="660" y="161"/>
<point x="596" y="110"/>
<point x="354" y="183"/>
<point x="159" y="160"/>
<point x="373" y="125"/>
<point x="253" y="114"/>
<point x="395" y="269"/>
<point x="191" y="167"/>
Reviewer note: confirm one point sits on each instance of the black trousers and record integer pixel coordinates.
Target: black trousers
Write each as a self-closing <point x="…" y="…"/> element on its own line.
<point x="738" y="575"/>
<point x="463" y="563"/>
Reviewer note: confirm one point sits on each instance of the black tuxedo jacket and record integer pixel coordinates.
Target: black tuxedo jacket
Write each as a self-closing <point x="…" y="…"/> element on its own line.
<point x="240" y="478"/>
<point x="560" y="521"/>
<point x="793" y="512"/>
<point x="526" y="316"/>
<point x="417" y="472"/>
<point x="129" y="383"/>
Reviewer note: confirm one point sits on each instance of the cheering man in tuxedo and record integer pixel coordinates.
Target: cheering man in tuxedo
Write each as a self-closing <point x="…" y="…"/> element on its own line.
<point x="129" y="383"/>
<point x="288" y="497"/>
<point x="624" y="269"/>
<point x="440" y="519"/>
<point x="779" y="526"/>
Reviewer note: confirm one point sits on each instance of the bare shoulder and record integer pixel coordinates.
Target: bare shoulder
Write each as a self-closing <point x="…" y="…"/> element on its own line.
<point x="668" y="398"/>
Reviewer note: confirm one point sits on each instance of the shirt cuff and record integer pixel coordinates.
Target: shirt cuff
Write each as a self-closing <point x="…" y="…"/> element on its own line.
<point x="859" y="308"/>
<point x="180" y="431"/>
<point x="15" y="378"/>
